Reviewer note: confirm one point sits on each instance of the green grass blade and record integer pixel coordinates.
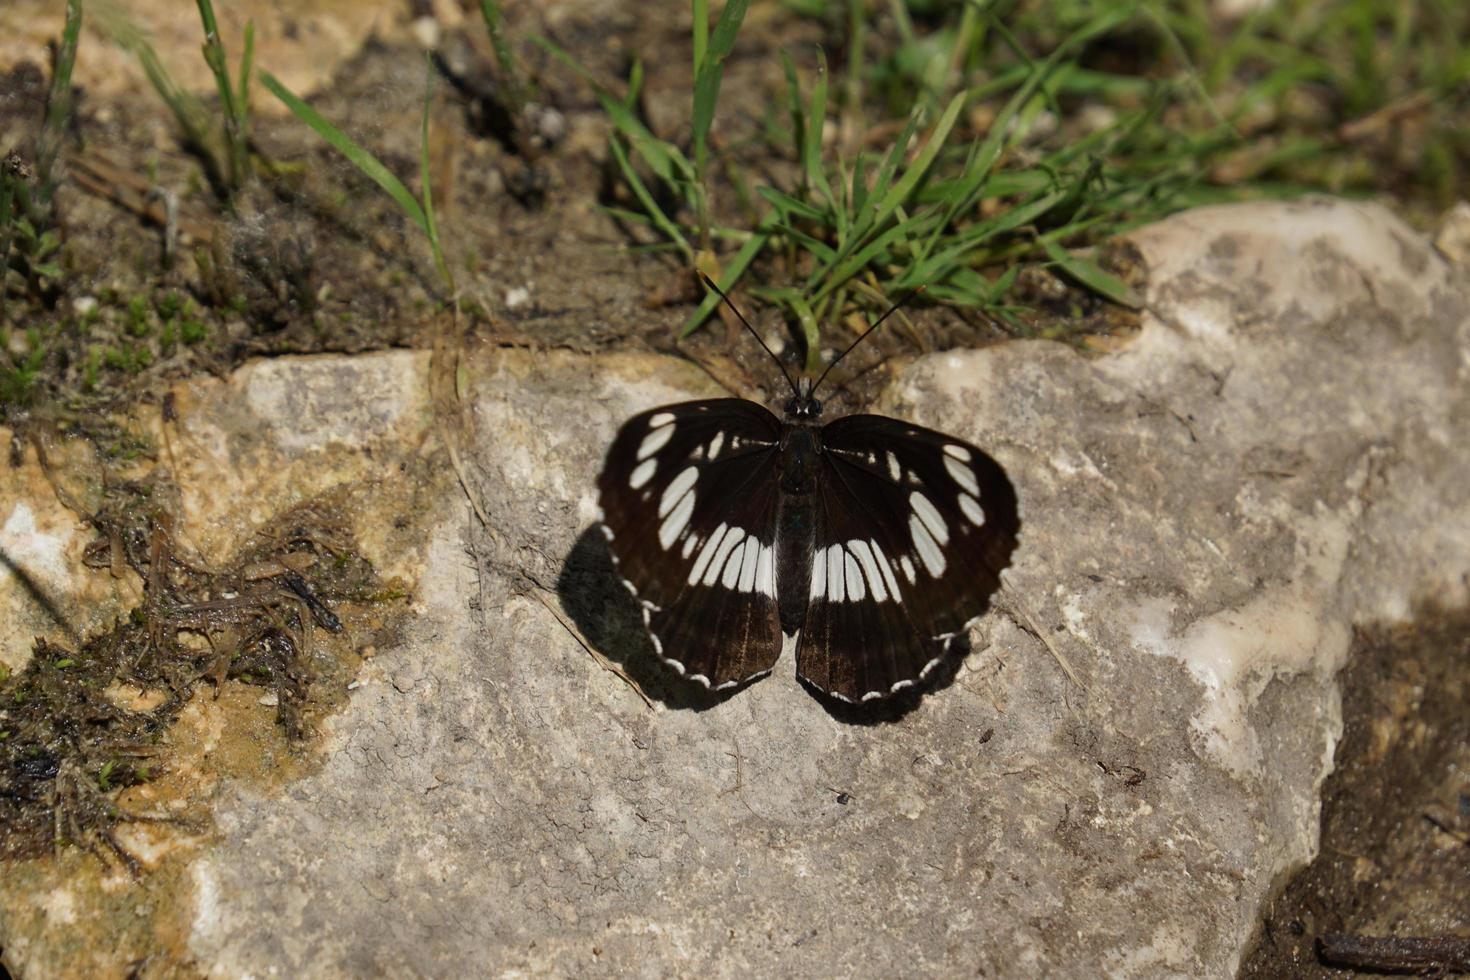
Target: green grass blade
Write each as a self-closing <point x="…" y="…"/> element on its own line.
<point x="431" y="226"/>
<point x="58" y="102"/>
<point x="640" y="191"/>
<point x="820" y="249"/>
<point x="662" y="157"/>
<point x="58" y="107"/>
<point x="1091" y="275"/>
<point x="214" y="57"/>
<point x="787" y="204"/>
<point x="700" y="9"/>
<point x="811" y="144"/>
<point x="900" y="191"/>
<point x="505" y="60"/>
<point x="734" y="269"/>
<point x="806" y="319"/>
<point x="247" y="65"/>
<point x="851" y="265"/>
<point x="356" y="154"/>
<point x="709" y="71"/>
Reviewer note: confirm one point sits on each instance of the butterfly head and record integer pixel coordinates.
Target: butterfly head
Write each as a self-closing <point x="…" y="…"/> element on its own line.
<point x="802" y="405"/>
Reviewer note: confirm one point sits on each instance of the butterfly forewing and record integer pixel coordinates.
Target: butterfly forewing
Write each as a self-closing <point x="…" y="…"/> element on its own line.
<point x="689" y="497"/>
<point x="912" y="530"/>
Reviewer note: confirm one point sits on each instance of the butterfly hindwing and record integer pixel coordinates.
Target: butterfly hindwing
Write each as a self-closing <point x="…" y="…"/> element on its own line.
<point x="912" y="530"/>
<point x="689" y="496"/>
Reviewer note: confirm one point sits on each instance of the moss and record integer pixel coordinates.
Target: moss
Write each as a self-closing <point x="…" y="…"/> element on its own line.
<point x="67" y="749"/>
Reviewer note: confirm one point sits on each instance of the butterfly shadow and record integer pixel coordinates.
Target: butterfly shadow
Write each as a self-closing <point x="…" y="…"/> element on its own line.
<point x="886" y="711"/>
<point x="607" y="614"/>
<point x="609" y="619"/>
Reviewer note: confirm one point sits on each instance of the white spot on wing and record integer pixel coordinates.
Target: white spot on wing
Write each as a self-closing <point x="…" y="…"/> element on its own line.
<point x="970" y="507"/>
<point x="927" y="513"/>
<point x="855" y="587"/>
<point x="887" y="569"/>
<point x="819" y="574"/>
<point x="765" y="572"/>
<point x="642" y="473"/>
<point x="707" y="553"/>
<point x="715" y="444"/>
<point x="958" y="452"/>
<point x="717" y="566"/>
<point x="864" y="555"/>
<point x="690" y="543"/>
<point x="928" y="550"/>
<point x="749" y="563"/>
<point x="675" y="523"/>
<point x="894" y="470"/>
<point x="731" y="577"/>
<point x="962" y="474"/>
<point x="654" y="441"/>
<point x="908" y="568"/>
<point x="676" y="489"/>
<point x="662" y="418"/>
<point x="836" y="574"/>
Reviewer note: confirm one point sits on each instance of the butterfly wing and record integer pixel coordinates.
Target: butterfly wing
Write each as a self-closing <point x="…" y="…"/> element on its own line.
<point x="913" y="530"/>
<point x="689" y="496"/>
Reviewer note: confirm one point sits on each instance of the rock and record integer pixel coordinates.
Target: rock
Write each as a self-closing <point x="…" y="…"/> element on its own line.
<point x="1208" y="514"/>
<point x="303" y="48"/>
<point x="1453" y="237"/>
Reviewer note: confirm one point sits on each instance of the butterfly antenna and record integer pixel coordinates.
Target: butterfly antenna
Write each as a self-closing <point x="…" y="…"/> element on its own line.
<point x="864" y="336"/>
<point x="721" y="293"/>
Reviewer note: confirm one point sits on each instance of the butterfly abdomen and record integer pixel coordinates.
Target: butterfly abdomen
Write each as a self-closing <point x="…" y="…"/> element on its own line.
<point x="796" y="524"/>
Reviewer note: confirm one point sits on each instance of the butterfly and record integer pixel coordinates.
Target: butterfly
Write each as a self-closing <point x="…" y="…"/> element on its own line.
<point x="870" y="542"/>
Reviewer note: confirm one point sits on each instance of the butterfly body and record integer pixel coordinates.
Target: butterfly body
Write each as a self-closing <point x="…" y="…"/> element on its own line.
<point x="872" y="541"/>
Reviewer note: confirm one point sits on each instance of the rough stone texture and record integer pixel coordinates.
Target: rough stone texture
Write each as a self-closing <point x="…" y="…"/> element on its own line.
<point x="303" y="49"/>
<point x="1208" y="512"/>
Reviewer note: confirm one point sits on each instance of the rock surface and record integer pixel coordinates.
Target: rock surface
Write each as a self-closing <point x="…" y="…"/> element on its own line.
<point x="303" y="49"/>
<point x="1208" y="513"/>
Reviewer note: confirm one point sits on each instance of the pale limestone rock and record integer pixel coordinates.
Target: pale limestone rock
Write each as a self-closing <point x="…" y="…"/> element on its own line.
<point x="1208" y="513"/>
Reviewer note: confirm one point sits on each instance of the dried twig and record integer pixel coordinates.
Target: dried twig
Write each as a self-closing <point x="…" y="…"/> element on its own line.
<point x="97" y="176"/>
<point x="1028" y="623"/>
<point x="1407" y="953"/>
<point x="602" y="661"/>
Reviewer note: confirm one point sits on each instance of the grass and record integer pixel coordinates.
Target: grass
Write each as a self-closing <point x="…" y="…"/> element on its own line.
<point x="686" y="177"/>
<point x="421" y="214"/>
<point x="1033" y="132"/>
<point x="58" y="105"/>
<point x="957" y="145"/>
<point x="235" y="99"/>
<point x="29" y="238"/>
<point x="866" y="227"/>
<point x="222" y="145"/>
<point x="505" y="60"/>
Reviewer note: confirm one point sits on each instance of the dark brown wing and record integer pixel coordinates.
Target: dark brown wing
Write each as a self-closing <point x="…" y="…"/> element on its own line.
<point x="689" y="497"/>
<point x="913" y="530"/>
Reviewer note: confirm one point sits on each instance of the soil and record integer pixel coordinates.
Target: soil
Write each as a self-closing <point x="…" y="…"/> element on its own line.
<point x="1395" y="849"/>
<point x="311" y="256"/>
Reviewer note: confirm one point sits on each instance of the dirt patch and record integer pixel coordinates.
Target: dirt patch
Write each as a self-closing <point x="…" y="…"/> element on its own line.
<point x="80" y="726"/>
<point x="1395" y="847"/>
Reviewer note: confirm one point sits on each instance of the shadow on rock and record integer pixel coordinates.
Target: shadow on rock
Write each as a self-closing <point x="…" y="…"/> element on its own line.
<point x="883" y="711"/>
<point x="608" y="616"/>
